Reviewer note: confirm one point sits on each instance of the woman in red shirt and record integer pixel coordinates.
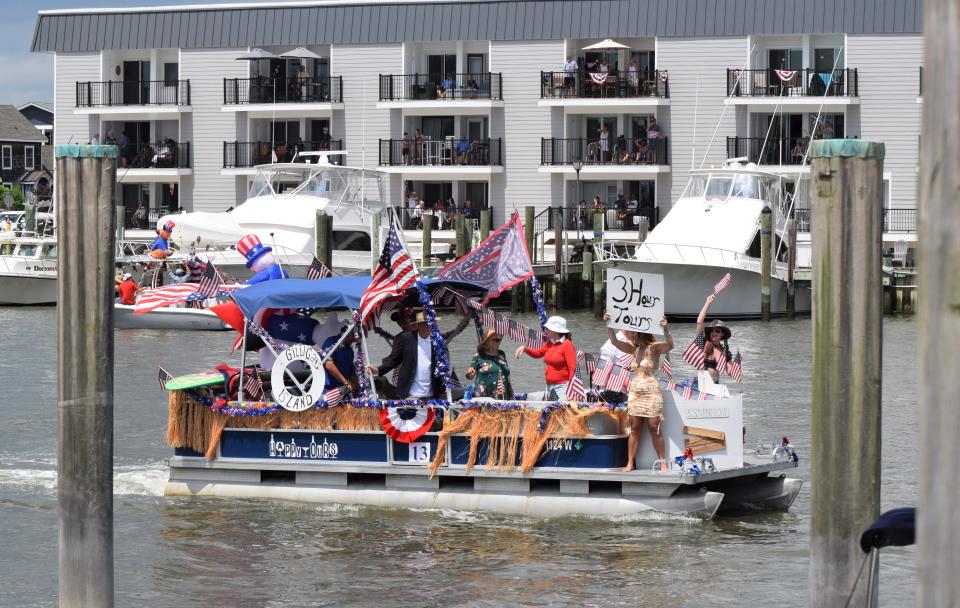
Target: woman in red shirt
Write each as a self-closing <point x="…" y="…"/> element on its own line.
<point x="559" y="356"/>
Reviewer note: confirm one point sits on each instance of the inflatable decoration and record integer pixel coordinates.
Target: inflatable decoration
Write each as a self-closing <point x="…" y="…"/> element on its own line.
<point x="161" y="247"/>
<point x="260" y="260"/>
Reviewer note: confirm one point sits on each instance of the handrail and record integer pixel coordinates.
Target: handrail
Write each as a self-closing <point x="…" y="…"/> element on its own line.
<point x="611" y="84"/>
<point x="770" y="82"/>
<point x="641" y="150"/>
<point x="439" y="87"/>
<point x="245" y="154"/>
<point x="132" y="93"/>
<point x="440" y="152"/>
<point x="271" y="90"/>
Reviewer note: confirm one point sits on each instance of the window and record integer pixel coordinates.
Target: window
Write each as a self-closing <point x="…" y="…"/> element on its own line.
<point x="28" y="157"/>
<point x="6" y="157"/>
<point x="171" y="74"/>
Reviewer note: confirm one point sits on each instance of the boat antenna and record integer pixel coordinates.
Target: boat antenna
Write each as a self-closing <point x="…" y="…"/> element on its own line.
<point x="726" y="106"/>
<point x="696" y="104"/>
<point x="273" y="242"/>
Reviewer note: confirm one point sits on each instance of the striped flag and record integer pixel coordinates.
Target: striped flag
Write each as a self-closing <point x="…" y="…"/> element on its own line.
<point x="735" y="369"/>
<point x="722" y="284"/>
<point x="535" y="339"/>
<point x="602" y="375"/>
<point x="333" y="397"/>
<point x="694" y="354"/>
<point x="720" y="356"/>
<point x="163" y="377"/>
<point x="517" y="331"/>
<point x="501" y="324"/>
<point x="619" y="379"/>
<point x="590" y="362"/>
<point x="395" y="272"/>
<point x="665" y="367"/>
<point x="317" y="270"/>
<point x="625" y="359"/>
<point x="575" y="390"/>
<point x="208" y="286"/>
<point x="253" y="386"/>
<point x="687" y="392"/>
<point x="703" y="396"/>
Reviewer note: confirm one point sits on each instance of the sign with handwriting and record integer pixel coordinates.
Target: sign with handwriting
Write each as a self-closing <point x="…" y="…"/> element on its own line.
<point x="635" y="300"/>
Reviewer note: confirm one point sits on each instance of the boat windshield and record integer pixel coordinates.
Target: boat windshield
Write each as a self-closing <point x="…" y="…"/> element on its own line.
<point x="695" y="187"/>
<point x="260" y="185"/>
<point x="718" y="187"/>
<point x="746" y="186"/>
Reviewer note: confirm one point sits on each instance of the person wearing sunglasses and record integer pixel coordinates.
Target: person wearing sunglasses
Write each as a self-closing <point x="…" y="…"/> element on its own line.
<point x="489" y="369"/>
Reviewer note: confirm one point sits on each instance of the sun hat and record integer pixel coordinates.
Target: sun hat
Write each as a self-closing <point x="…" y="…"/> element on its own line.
<point x="252" y="249"/>
<point x="718" y="324"/>
<point x="127" y="275"/>
<point x="557" y="324"/>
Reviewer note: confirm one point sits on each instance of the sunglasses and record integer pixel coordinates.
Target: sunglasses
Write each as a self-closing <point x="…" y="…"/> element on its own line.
<point x="496" y="339"/>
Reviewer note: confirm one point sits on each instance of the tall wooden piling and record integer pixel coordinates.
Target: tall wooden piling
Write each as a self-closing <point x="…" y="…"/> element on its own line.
<point x="376" y="248"/>
<point x="846" y="233"/>
<point x="427" y="240"/>
<point x="323" y="238"/>
<point x="485" y="223"/>
<point x="120" y="222"/>
<point x="597" y="273"/>
<point x="558" y="255"/>
<point x="460" y="231"/>
<point x="791" y="230"/>
<point x="938" y="306"/>
<point x="643" y="228"/>
<point x="766" y="225"/>
<point x="85" y="186"/>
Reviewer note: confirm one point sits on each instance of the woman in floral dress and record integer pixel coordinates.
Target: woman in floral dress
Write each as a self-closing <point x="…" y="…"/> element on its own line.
<point x="489" y="369"/>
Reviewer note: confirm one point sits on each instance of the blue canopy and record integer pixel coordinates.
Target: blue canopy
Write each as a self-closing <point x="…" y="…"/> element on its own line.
<point x="335" y="293"/>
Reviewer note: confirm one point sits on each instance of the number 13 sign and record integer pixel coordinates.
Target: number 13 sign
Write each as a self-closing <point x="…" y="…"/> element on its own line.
<point x="420" y="451"/>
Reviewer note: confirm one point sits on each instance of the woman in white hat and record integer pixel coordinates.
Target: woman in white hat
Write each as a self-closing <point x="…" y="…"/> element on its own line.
<point x="559" y="357"/>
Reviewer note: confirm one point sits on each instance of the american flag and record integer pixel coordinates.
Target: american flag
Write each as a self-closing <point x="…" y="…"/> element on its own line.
<point x="694" y="354"/>
<point x="720" y="356"/>
<point x="253" y="386"/>
<point x="687" y="392"/>
<point x="735" y="369"/>
<point x="163" y="377"/>
<point x="602" y="375"/>
<point x="395" y="272"/>
<point x="488" y="317"/>
<point x="498" y="263"/>
<point x="575" y="390"/>
<point x="703" y="396"/>
<point x="208" y="286"/>
<point x="722" y="284"/>
<point x="317" y="270"/>
<point x="501" y="390"/>
<point x="333" y="397"/>
<point x="665" y="366"/>
<point x="501" y="324"/>
<point x="590" y="362"/>
<point x="173" y="294"/>
<point x="619" y="379"/>
<point x="535" y="339"/>
<point x="625" y="359"/>
<point x="518" y="331"/>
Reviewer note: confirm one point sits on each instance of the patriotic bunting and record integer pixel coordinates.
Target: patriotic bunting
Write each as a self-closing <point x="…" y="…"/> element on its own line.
<point x="599" y="77"/>
<point x="786" y="75"/>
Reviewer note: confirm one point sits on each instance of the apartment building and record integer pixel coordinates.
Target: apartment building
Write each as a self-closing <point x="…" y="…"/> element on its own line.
<point x="506" y="103"/>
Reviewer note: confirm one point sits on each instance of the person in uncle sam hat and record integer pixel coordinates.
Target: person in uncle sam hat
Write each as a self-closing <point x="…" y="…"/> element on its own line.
<point x="260" y="260"/>
<point x="161" y="247"/>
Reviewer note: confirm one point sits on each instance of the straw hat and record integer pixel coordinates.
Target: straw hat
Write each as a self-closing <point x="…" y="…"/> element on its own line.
<point x="487" y="336"/>
<point x="422" y="317"/>
<point x="718" y="324"/>
<point x="557" y="324"/>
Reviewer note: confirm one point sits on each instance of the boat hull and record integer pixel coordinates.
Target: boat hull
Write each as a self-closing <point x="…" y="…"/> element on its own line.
<point x="687" y="285"/>
<point x="27" y="290"/>
<point x="192" y="319"/>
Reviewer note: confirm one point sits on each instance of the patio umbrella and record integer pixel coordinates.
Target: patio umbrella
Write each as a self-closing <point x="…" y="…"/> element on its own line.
<point x="300" y="53"/>
<point x="606" y="45"/>
<point x="256" y="55"/>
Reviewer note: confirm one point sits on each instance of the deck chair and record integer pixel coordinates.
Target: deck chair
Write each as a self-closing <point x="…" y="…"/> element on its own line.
<point x="900" y="253"/>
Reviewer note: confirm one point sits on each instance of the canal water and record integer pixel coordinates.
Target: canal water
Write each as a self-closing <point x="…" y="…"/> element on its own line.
<point x="224" y="553"/>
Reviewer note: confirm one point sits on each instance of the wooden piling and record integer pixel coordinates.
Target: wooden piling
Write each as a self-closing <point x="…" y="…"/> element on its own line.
<point x="766" y="225"/>
<point x="597" y="273"/>
<point x="120" y="221"/>
<point x="643" y="229"/>
<point x="484" y="224"/>
<point x="376" y="248"/>
<point x="323" y="243"/>
<point x="460" y="230"/>
<point x="85" y="186"/>
<point x="791" y="230"/>
<point x="846" y="233"/>
<point x="558" y="255"/>
<point x="938" y="306"/>
<point x="587" y="275"/>
<point x="427" y="240"/>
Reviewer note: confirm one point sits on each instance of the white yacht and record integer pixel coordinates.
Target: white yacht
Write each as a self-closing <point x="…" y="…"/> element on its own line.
<point x="714" y="229"/>
<point x="28" y="270"/>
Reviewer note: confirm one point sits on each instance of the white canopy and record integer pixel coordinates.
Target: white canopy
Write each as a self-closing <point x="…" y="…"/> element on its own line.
<point x="255" y="55"/>
<point x="606" y="45"/>
<point x="300" y="53"/>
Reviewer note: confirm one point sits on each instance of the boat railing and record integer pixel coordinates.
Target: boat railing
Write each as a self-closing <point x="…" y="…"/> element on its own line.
<point x="672" y="253"/>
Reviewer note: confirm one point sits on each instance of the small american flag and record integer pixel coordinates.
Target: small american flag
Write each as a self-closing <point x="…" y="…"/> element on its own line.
<point x="694" y="354"/>
<point x="703" y="396"/>
<point x="687" y="392"/>
<point x="253" y="386"/>
<point x="535" y="339"/>
<point x="333" y="397"/>
<point x="735" y="369"/>
<point x="665" y="367"/>
<point x="602" y="376"/>
<point x="488" y="317"/>
<point x="517" y="331"/>
<point x="575" y="390"/>
<point x="501" y="324"/>
<point x="208" y="285"/>
<point x="317" y="270"/>
<point x="619" y="379"/>
<point x="720" y="356"/>
<point x="590" y="362"/>
<point x="163" y="377"/>
<point x="722" y="284"/>
<point x="395" y="272"/>
<point x="625" y="359"/>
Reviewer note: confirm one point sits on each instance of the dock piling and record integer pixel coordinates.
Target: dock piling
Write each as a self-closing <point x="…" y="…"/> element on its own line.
<point x="85" y="186"/>
<point x="460" y="229"/>
<point x="938" y="305"/>
<point x="426" y="240"/>
<point x="484" y="224"/>
<point x="120" y="222"/>
<point x="323" y="226"/>
<point x="766" y="225"/>
<point x="791" y="229"/>
<point x="597" y="273"/>
<point x="558" y="255"/>
<point x="846" y="231"/>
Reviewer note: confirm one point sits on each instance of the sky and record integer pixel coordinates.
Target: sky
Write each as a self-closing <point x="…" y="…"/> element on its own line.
<point x="27" y="76"/>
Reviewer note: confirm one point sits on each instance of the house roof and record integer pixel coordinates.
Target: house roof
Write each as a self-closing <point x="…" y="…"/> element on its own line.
<point x="306" y="23"/>
<point x="43" y="105"/>
<point x="32" y="177"/>
<point x="15" y="126"/>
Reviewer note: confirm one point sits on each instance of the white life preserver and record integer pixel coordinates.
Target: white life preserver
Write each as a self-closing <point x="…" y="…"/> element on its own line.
<point x="318" y="378"/>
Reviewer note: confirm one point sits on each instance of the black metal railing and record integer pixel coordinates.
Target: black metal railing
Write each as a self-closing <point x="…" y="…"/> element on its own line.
<point x="133" y="93"/>
<point x="410" y="87"/>
<point x="412" y="218"/>
<point x="637" y="151"/>
<point x="899" y="220"/>
<point x="155" y="155"/>
<point x="263" y="89"/>
<point x="614" y="85"/>
<point x="440" y="152"/>
<point x="242" y="154"/>
<point x="920" y="89"/>
<point x="617" y="216"/>
<point x="769" y="151"/>
<point x="792" y="83"/>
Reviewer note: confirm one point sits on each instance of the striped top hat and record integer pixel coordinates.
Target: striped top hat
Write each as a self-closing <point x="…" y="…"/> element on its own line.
<point x="252" y="249"/>
<point x="166" y="226"/>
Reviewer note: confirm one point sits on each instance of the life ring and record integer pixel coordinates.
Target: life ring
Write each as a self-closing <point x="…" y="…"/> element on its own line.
<point x="406" y="424"/>
<point x="318" y="378"/>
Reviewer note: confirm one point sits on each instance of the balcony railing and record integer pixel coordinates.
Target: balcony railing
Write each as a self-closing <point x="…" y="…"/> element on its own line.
<point x="159" y="155"/>
<point x="604" y="85"/>
<point x="894" y="220"/>
<point x="133" y="93"/>
<point x="412" y="87"/>
<point x="792" y="83"/>
<point x="412" y="218"/>
<point x="261" y="89"/>
<point x="624" y="216"/>
<point x="243" y="154"/>
<point x="447" y="152"/>
<point x="639" y="151"/>
<point x="769" y="151"/>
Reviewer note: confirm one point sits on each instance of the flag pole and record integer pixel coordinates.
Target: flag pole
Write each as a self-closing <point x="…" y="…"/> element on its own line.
<point x="243" y="361"/>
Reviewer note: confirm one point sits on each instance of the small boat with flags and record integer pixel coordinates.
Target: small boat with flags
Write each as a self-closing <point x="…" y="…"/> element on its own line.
<point x="277" y="431"/>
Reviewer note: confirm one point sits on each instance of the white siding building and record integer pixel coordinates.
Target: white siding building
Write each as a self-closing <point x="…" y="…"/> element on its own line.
<point x="502" y="121"/>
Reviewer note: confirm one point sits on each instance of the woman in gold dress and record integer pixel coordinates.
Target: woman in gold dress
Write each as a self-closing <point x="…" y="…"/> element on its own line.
<point x="645" y="401"/>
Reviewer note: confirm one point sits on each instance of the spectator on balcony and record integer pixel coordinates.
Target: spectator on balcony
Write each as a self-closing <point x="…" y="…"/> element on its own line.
<point x="597" y="205"/>
<point x="412" y="200"/>
<point x="604" y="144"/>
<point x="654" y="134"/>
<point x="418" y="141"/>
<point x="110" y="140"/>
<point x="95" y="140"/>
<point x="324" y="138"/>
<point x="582" y="214"/>
<point x="476" y="152"/>
<point x="472" y="87"/>
<point x="570" y="75"/>
<point x="828" y="130"/>
<point x="450" y="210"/>
<point x="633" y="76"/>
<point x="446" y="87"/>
<point x="620" y="152"/>
<point x="124" y="150"/>
<point x="641" y="151"/>
<point x="797" y="152"/>
<point x="303" y="82"/>
<point x="467" y="210"/>
<point x="463" y="150"/>
<point x="405" y="148"/>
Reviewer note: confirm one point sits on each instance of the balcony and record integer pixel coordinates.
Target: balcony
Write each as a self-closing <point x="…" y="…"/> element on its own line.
<point x="769" y="151"/>
<point x="162" y="161"/>
<point x="134" y="99"/>
<point x="448" y="157"/>
<point x="441" y="93"/>
<point x="626" y="160"/>
<point x="264" y="97"/>
<point x="249" y="154"/>
<point x="792" y="89"/>
<point x="895" y="221"/>
<point x="590" y="91"/>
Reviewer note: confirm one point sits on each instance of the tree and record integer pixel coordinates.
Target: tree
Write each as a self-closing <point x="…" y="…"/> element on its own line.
<point x="16" y="193"/>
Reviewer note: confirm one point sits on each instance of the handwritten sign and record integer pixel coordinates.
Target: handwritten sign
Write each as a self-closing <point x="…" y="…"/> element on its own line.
<point x="635" y="300"/>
